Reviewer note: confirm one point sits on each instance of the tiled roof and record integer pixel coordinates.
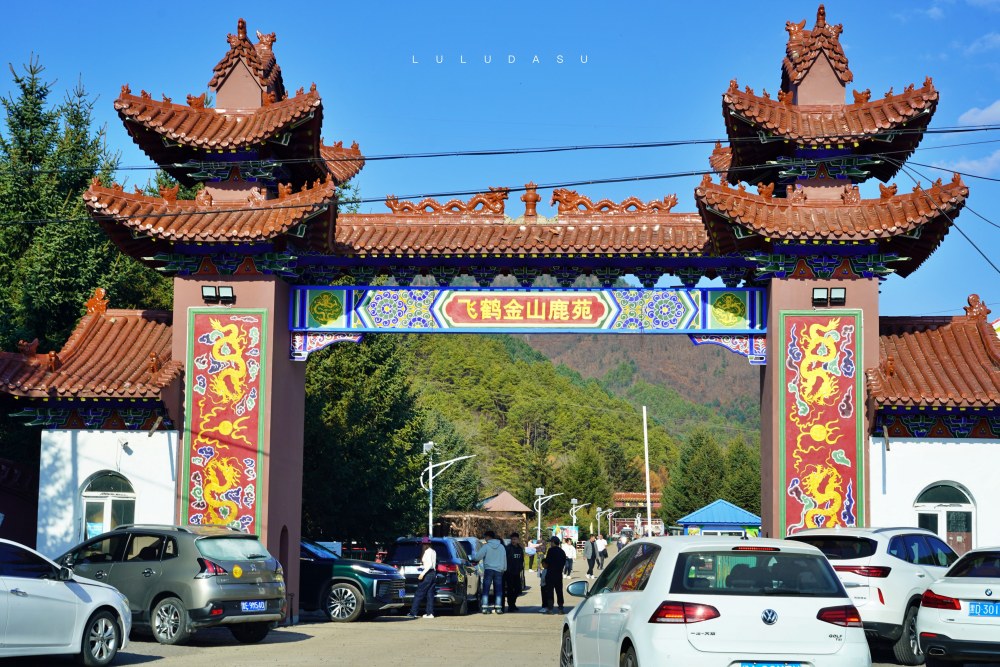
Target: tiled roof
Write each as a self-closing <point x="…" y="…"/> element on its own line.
<point x="214" y="128"/>
<point x="628" y="495"/>
<point x="502" y="502"/>
<point x="805" y="46"/>
<point x="117" y="354"/>
<point x="203" y="220"/>
<point x="343" y="163"/>
<point x="259" y="58"/>
<point x="362" y="233"/>
<point x="938" y="361"/>
<point x="721" y="159"/>
<point x="720" y="512"/>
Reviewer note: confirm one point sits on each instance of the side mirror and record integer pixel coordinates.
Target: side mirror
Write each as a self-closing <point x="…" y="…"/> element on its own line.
<point x="67" y="561"/>
<point x="577" y="589"/>
<point x="66" y="574"/>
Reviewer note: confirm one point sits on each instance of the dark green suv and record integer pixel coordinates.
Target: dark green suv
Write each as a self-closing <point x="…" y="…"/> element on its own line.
<point x="344" y="589"/>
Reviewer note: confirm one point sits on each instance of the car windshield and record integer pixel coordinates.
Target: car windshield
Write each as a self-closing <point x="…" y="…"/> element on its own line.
<point x="231" y="548"/>
<point x="755" y="573"/>
<point x="318" y="551"/>
<point x="980" y="564"/>
<point x="402" y="552"/>
<point x="840" y="547"/>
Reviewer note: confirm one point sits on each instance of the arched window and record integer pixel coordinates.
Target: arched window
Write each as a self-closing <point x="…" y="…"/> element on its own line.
<point x="108" y="501"/>
<point x="945" y="508"/>
<point x="943" y="494"/>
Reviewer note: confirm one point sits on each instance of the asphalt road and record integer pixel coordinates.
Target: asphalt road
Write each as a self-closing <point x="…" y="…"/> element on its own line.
<point x="526" y="638"/>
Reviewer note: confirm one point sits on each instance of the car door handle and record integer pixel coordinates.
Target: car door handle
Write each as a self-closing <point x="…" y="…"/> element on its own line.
<point x="921" y="576"/>
<point x="18" y="592"/>
<point x="625" y="608"/>
<point x="100" y="574"/>
<point x="598" y="608"/>
<point x="148" y="572"/>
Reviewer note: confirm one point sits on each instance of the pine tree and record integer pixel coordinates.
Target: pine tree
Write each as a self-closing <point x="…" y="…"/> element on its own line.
<point x="697" y="479"/>
<point x="742" y="484"/>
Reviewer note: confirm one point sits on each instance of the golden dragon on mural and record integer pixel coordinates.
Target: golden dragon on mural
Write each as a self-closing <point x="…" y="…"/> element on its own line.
<point x="221" y="475"/>
<point x="229" y="383"/>
<point x="816" y="384"/>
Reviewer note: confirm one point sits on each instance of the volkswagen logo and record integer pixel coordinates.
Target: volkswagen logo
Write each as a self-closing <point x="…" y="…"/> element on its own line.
<point x="769" y="616"/>
<point x="989" y="592"/>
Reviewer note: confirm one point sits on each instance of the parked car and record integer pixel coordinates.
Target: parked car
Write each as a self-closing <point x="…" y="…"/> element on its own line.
<point x="458" y="582"/>
<point x="699" y="601"/>
<point x="182" y="578"/>
<point x="885" y="570"/>
<point x="959" y="616"/>
<point x="343" y="588"/>
<point x="470" y="545"/>
<point x="48" y="610"/>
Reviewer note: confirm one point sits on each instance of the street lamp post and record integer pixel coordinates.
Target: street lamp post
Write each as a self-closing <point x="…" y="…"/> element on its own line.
<point x="431" y="474"/>
<point x="576" y="507"/>
<point x="600" y="511"/>
<point x="610" y="513"/>
<point x="540" y="500"/>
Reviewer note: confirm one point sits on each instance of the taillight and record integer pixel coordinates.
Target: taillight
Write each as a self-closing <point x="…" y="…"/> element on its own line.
<point x="683" y="612"/>
<point x="447" y="567"/>
<point x="846" y="616"/>
<point x="932" y="600"/>
<point x="755" y="548"/>
<point x="879" y="572"/>
<point x="209" y="569"/>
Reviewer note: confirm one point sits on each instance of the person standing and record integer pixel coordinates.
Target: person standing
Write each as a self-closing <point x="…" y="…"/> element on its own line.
<point x="570" y="550"/>
<point x="590" y="553"/>
<point x="513" y="579"/>
<point x="530" y="549"/>
<point x="555" y="562"/>
<point x="601" y="545"/>
<point x="427" y="585"/>
<point x="493" y="556"/>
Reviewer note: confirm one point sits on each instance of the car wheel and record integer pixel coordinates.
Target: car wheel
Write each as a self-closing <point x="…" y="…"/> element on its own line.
<point x="931" y="661"/>
<point x="628" y="658"/>
<point x="343" y="603"/>
<point x="907" y="648"/>
<point x="170" y="621"/>
<point x="101" y="639"/>
<point x="463" y="609"/>
<point x="250" y="633"/>
<point x="566" y="650"/>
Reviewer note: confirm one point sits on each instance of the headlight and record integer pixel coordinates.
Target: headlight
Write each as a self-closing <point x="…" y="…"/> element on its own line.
<point x="365" y="569"/>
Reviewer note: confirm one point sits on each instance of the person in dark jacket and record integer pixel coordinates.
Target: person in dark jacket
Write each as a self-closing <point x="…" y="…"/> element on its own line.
<point x="556" y="563"/>
<point x="590" y="553"/>
<point x="513" y="577"/>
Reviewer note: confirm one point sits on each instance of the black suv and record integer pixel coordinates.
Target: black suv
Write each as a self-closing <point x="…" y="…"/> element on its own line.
<point x="457" y="577"/>
<point x="344" y="589"/>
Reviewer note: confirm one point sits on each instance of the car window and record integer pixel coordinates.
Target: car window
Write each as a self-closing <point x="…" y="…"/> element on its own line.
<point x="18" y="562"/>
<point x="840" y="547"/>
<point x="755" y="573"/>
<point x="231" y="548"/>
<point x="635" y="572"/>
<point x="917" y="550"/>
<point x="606" y="581"/>
<point x="941" y="554"/>
<point x="104" y="550"/>
<point x="144" y="548"/>
<point x="170" y="548"/>
<point x="984" y="564"/>
<point x="401" y="552"/>
<point x="310" y="550"/>
<point x="897" y="549"/>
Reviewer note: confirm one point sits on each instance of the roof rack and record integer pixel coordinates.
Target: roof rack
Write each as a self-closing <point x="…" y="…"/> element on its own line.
<point x="886" y="529"/>
<point x="156" y="526"/>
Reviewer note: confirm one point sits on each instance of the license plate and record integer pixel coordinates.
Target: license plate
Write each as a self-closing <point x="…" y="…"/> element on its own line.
<point x="770" y="664"/>
<point x="411" y="569"/>
<point x="984" y="609"/>
<point x="253" y="605"/>
<point x="402" y="594"/>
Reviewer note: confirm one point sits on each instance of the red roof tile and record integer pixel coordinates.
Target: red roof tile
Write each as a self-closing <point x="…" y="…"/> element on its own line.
<point x="343" y="163"/>
<point x="721" y="159"/>
<point x="805" y="46"/>
<point x="109" y="355"/>
<point x="203" y="220"/>
<point x="214" y="128"/>
<point x="938" y="361"/>
<point x="259" y="58"/>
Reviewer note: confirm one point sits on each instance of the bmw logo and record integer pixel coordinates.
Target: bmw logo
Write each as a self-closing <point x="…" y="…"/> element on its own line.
<point x="769" y="616"/>
<point x="989" y="592"/>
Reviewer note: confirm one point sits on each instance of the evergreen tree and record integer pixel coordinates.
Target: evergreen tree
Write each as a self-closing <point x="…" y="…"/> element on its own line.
<point x="742" y="484"/>
<point x="586" y="478"/>
<point x="458" y="488"/>
<point x="697" y="479"/>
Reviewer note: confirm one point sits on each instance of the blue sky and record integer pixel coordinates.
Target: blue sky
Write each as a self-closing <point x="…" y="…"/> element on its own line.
<point x="654" y="71"/>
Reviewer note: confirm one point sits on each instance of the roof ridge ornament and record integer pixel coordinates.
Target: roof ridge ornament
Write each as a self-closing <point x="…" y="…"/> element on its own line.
<point x="531" y="199"/>
<point x="887" y="191"/>
<point x="571" y="201"/>
<point x="491" y="202"/>
<point x="977" y="308"/>
<point x="861" y="97"/>
<point x="27" y="349"/>
<point x="98" y="303"/>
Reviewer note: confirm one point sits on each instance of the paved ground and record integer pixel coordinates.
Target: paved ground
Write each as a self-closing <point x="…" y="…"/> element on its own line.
<point x="512" y="640"/>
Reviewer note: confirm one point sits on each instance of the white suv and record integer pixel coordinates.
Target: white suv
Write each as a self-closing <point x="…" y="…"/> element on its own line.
<point x="885" y="571"/>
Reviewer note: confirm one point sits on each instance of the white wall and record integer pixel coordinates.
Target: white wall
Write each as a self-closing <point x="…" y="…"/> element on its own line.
<point x="899" y="475"/>
<point x="69" y="457"/>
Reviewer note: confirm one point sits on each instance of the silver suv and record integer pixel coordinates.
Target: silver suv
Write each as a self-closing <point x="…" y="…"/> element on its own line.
<point x="885" y="571"/>
<point x="178" y="579"/>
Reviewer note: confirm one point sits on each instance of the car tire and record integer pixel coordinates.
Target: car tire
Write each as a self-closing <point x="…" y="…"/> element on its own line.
<point x="343" y="602"/>
<point x="463" y="609"/>
<point x="170" y="622"/>
<point x="566" y="650"/>
<point x="628" y="658"/>
<point x="101" y="638"/>
<point x="907" y="649"/>
<point x="931" y="661"/>
<point x="250" y="633"/>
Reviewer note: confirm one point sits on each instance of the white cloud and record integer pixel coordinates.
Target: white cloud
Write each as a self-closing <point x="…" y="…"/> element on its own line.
<point x="992" y="5"/>
<point x="934" y="13"/>
<point x="976" y="116"/>
<point x="984" y="166"/>
<point x="987" y="42"/>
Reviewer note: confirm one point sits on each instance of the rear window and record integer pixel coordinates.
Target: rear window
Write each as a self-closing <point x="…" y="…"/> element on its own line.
<point x="984" y="565"/>
<point x="231" y="548"/>
<point x="839" y="547"/>
<point x="402" y="552"/>
<point x="750" y="573"/>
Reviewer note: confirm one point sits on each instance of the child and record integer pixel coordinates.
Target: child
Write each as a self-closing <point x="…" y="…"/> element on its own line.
<point x="546" y="591"/>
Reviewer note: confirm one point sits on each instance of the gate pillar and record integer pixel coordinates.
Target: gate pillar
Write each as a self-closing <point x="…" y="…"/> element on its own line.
<point x="243" y="414"/>
<point x="814" y="427"/>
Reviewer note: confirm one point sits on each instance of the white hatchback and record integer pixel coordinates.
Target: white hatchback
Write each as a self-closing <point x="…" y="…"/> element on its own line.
<point x="700" y="601"/>
<point x="960" y="613"/>
<point x="46" y="610"/>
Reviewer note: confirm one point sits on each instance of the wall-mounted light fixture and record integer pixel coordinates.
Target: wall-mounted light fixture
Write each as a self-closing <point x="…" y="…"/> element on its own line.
<point x="838" y="296"/>
<point x="821" y="297"/>
<point x="226" y="294"/>
<point x="223" y="294"/>
<point x="210" y="294"/>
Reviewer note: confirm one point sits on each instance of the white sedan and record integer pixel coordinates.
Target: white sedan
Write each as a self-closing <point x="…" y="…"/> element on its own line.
<point x="46" y="610"/>
<point x="701" y="601"/>
<point x="959" y="615"/>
